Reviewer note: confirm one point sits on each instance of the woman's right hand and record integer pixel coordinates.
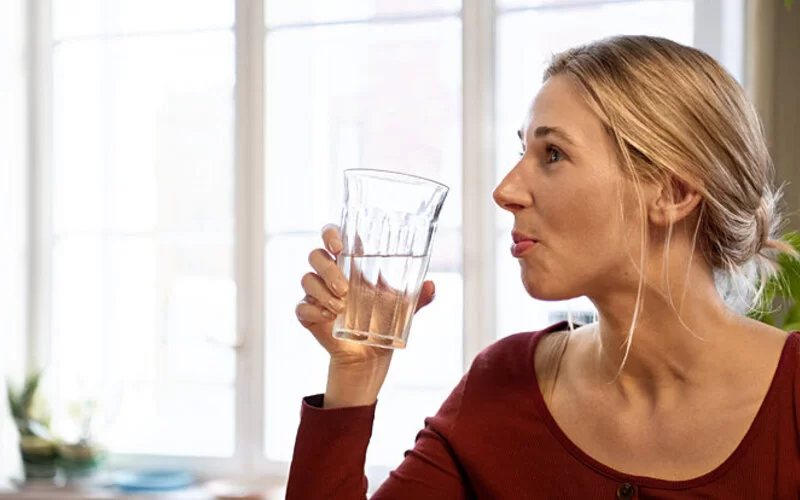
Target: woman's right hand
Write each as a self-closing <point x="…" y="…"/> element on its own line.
<point x="356" y="371"/>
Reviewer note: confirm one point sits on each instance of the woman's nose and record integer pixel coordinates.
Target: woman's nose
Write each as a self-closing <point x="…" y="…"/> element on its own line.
<point x="511" y="194"/>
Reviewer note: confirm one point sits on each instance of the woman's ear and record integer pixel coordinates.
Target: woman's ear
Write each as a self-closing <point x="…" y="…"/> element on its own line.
<point x="674" y="201"/>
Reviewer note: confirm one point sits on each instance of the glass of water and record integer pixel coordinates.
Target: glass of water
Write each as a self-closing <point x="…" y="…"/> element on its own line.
<point x="388" y="224"/>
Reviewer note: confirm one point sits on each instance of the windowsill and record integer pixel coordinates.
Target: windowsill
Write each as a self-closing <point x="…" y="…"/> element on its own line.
<point x="103" y="494"/>
<point x="204" y="491"/>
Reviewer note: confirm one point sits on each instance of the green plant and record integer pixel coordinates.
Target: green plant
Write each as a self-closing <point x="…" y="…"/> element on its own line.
<point x="780" y="303"/>
<point x="30" y="413"/>
<point x="27" y="407"/>
<point x="41" y="452"/>
<point x="788" y="4"/>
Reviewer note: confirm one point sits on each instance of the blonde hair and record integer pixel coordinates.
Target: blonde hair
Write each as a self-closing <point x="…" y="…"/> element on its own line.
<point x="674" y="113"/>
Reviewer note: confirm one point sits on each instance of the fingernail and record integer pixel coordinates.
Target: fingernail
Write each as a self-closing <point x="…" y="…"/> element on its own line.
<point x="336" y="246"/>
<point x="336" y="304"/>
<point x="339" y="287"/>
<point x="328" y="314"/>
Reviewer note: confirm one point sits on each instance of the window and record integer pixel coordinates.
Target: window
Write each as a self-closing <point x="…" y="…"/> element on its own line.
<point x="198" y="148"/>
<point x="359" y="88"/>
<point x="13" y="186"/>
<point x="143" y="296"/>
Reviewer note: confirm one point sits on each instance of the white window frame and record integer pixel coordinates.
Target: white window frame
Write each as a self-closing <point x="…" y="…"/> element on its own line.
<point x="719" y="29"/>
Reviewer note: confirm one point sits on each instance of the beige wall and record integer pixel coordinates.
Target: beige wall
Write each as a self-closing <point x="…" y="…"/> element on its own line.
<point x="773" y="81"/>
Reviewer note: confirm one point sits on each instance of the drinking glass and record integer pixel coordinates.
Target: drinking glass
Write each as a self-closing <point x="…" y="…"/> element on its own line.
<point x="387" y="229"/>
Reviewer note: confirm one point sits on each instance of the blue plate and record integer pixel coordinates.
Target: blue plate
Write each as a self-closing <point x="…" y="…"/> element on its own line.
<point x="153" y="480"/>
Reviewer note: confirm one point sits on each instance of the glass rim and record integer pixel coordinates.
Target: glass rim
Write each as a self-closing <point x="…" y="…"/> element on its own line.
<point x="390" y="173"/>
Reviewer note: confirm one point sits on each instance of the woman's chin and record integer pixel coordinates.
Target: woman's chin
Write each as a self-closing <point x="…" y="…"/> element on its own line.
<point x="543" y="289"/>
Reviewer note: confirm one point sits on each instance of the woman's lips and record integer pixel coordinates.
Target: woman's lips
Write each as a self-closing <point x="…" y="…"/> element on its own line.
<point x="519" y="248"/>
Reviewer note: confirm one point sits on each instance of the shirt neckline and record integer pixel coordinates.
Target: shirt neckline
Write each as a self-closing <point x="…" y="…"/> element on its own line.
<point x="759" y="421"/>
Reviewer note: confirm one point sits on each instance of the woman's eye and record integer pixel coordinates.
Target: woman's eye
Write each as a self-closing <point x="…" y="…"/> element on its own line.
<point x="554" y="155"/>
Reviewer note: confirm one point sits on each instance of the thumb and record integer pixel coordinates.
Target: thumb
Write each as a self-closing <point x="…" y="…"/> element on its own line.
<point x="426" y="295"/>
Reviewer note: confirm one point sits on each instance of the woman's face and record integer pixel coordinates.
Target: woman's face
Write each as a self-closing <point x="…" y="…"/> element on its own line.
<point x="565" y="194"/>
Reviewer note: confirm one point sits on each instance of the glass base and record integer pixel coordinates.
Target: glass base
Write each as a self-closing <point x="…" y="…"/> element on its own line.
<point x="373" y="339"/>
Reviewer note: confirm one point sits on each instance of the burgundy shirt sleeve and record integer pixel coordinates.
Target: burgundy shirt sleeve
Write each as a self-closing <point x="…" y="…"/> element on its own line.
<point x="331" y="446"/>
<point x="329" y="452"/>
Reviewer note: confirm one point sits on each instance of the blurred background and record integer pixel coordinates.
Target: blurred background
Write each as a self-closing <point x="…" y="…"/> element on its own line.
<point x="166" y="166"/>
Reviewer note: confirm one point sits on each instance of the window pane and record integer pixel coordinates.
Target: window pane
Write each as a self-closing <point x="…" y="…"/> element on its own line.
<point x="13" y="186"/>
<point x="359" y="96"/>
<point x="294" y="362"/>
<point x="144" y="134"/>
<point x="420" y="378"/>
<point x="144" y="299"/>
<point x="178" y="419"/>
<point x="278" y="12"/>
<point x="385" y="97"/>
<point x="525" y="42"/>
<point x="551" y="4"/>
<point x="140" y="318"/>
<point x="82" y="18"/>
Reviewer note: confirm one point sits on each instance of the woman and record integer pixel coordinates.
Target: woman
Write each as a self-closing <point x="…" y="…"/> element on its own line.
<point x="644" y="180"/>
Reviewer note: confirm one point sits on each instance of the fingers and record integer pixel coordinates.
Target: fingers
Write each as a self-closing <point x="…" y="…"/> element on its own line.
<point x="325" y="286"/>
<point x="318" y="294"/>
<point x="331" y="239"/>
<point x="426" y="295"/>
<point x="309" y="314"/>
<point x="322" y="262"/>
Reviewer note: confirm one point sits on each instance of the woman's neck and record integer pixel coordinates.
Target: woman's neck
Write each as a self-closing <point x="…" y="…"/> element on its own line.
<point x="678" y="340"/>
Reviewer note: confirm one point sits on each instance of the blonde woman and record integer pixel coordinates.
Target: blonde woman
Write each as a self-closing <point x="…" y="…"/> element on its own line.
<point x="644" y="183"/>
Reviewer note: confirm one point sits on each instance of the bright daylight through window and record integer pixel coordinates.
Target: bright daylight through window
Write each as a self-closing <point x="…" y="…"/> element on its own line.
<point x="144" y="208"/>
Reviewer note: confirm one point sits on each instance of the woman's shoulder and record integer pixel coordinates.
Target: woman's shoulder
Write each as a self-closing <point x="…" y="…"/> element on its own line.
<point x="503" y="376"/>
<point x="516" y="355"/>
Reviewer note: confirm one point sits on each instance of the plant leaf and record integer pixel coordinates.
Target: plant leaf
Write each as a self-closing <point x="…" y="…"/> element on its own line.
<point x="792" y="314"/>
<point x="790" y="275"/>
<point x="14" y="403"/>
<point x="28" y="391"/>
<point x="781" y="292"/>
<point x="788" y="4"/>
<point x="791" y="327"/>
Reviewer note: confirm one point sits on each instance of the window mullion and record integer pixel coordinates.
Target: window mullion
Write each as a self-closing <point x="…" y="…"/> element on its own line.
<point x="478" y="54"/>
<point x="40" y="89"/>
<point x="249" y="253"/>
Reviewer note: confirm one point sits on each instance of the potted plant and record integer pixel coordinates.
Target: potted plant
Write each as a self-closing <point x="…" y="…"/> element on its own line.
<point x="81" y="455"/>
<point x="780" y="302"/>
<point x="32" y="418"/>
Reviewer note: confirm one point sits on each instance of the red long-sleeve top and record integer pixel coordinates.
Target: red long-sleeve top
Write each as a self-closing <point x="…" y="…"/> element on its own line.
<point x="495" y="438"/>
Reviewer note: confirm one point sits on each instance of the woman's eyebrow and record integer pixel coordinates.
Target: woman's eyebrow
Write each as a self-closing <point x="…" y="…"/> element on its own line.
<point x="544" y="131"/>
